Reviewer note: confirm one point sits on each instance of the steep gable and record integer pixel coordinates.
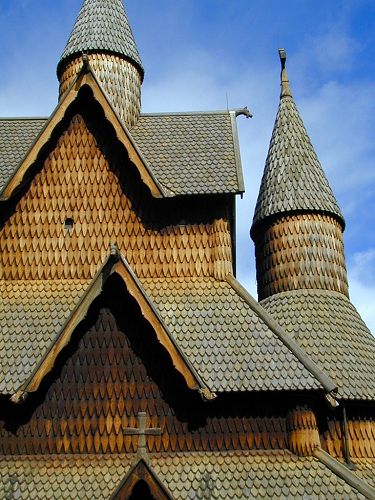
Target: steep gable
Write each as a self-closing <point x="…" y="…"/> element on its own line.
<point x="90" y="183"/>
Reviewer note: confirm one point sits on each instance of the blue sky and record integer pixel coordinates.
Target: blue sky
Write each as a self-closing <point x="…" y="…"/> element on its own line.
<point x="198" y="53"/>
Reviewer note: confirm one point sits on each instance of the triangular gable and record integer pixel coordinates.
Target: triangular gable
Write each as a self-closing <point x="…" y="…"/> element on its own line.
<point x="141" y="471"/>
<point x="115" y="263"/>
<point x="85" y="78"/>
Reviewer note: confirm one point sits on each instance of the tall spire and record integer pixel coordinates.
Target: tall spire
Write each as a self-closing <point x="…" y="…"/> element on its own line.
<point x="293" y="178"/>
<point x="103" y="33"/>
<point x="297" y="226"/>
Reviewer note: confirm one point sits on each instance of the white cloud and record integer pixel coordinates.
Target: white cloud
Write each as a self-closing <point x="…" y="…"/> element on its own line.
<point x="333" y="51"/>
<point x="361" y="271"/>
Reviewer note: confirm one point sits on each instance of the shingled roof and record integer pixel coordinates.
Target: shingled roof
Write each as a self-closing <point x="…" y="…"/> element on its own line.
<point x="229" y="344"/>
<point x="91" y="32"/>
<point x="293" y="179"/>
<point x="328" y="327"/>
<point x="31" y="315"/>
<point x="16" y="137"/>
<point x="226" y="342"/>
<point x="189" y="153"/>
<point x="234" y="475"/>
<point x="192" y="153"/>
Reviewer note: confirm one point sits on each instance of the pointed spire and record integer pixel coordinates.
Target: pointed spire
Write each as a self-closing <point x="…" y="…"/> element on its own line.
<point x="293" y="179"/>
<point x="102" y="26"/>
<point x="102" y="38"/>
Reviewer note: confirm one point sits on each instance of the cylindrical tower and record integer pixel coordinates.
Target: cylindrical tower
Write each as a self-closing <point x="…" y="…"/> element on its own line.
<point x="297" y="226"/>
<point x="102" y="33"/>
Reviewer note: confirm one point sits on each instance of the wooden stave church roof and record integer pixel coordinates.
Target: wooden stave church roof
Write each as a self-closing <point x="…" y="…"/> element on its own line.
<point x="324" y="481"/>
<point x="293" y="178"/>
<point x="192" y="153"/>
<point x="223" y="475"/>
<point x="102" y="26"/>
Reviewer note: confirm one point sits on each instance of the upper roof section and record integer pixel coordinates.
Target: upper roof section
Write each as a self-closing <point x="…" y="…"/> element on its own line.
<point x="102" y="26"/>
<point x="293" y="179"/>
<point x="189" y="154"/>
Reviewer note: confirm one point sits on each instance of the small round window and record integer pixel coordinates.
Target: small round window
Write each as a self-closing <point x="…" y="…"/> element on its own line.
<point x="68" y="224"/>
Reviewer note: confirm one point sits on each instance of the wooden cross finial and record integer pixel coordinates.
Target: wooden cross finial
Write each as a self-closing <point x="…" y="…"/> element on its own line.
<point x="142" y="432"/>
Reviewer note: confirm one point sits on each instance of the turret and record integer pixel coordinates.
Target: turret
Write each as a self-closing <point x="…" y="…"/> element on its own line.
<point x="102" y="33"/>
<point x="297" y="226"/>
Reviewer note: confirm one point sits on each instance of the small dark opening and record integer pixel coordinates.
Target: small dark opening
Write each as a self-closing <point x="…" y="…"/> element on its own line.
<point x="68" y="224"/>
<point x="141" y="491"/>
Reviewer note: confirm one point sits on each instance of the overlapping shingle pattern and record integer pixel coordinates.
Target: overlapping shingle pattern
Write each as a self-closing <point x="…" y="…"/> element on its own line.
<point x="293" y="179"/>
<point x="31" y="315"/>
<point x="301" y="251"/>
<point x="232" y="475"/>
<point x="190" y="153"/>
<point x="84" y="181"/>
<point x="113" y="373"/>
<point x="361" y="441"/>
<point x="225" y="340"/>
<point x="330" y="330"/>
<point x="102" y="25"/>
<point x="365" y="469"/>
<point x="16" y="136"/>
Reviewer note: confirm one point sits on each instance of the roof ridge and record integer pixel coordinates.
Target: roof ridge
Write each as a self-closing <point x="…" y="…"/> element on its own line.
<point x="25" y="118"/>
<point x="102" y="26"/>
<point x="188" y="113"/>
<point x="285" y="338"/>
<point x="293" y="178"/>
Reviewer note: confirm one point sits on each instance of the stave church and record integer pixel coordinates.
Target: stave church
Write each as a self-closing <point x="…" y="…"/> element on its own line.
<point x="133" y="363"/>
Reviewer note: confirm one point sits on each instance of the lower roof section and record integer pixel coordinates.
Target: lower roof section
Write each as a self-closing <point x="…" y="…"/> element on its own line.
<point x="222" y="338"/>
<point x="330" y="330"/>
<point x="234" y="475"/>
<point x="229" y="344"/>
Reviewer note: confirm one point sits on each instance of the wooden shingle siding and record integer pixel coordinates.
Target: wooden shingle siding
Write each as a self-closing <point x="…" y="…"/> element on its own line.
<point x="80" y="182"/>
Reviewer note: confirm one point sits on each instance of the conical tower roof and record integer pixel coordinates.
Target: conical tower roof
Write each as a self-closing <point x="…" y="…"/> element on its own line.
<point x="293" y="179"/>
<point x="102" y="26"/>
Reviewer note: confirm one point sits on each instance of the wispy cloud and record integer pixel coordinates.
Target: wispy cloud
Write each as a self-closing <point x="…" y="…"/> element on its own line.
<point x="361" y="271"/>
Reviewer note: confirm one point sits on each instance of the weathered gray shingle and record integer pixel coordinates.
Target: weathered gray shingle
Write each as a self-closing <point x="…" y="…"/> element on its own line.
<point x="328" y="327"/>
<point x="230" y="475"/>
<point x="31" y="315"/>
<point x="17" y="135"/>
<point x="293" y="179"/>
<point x="102" y="25"/>
<point x="192" y="153"/>
<point x="228" y="344"/>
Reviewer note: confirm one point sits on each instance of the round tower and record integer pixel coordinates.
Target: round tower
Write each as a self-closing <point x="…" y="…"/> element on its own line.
<point x="102" y="33"/>
<point x="297" y="227"/>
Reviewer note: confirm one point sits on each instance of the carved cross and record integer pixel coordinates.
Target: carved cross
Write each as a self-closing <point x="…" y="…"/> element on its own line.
<point x="142" y="432"/>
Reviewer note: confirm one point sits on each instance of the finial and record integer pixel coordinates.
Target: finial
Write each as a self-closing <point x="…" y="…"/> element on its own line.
<point x="86" y="64"/>
<point x="113" y="249"/>
<point x="285" y="89"/>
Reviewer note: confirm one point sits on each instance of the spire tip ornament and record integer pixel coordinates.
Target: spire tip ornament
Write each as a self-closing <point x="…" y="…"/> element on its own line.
<point x="285" y="89"/>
